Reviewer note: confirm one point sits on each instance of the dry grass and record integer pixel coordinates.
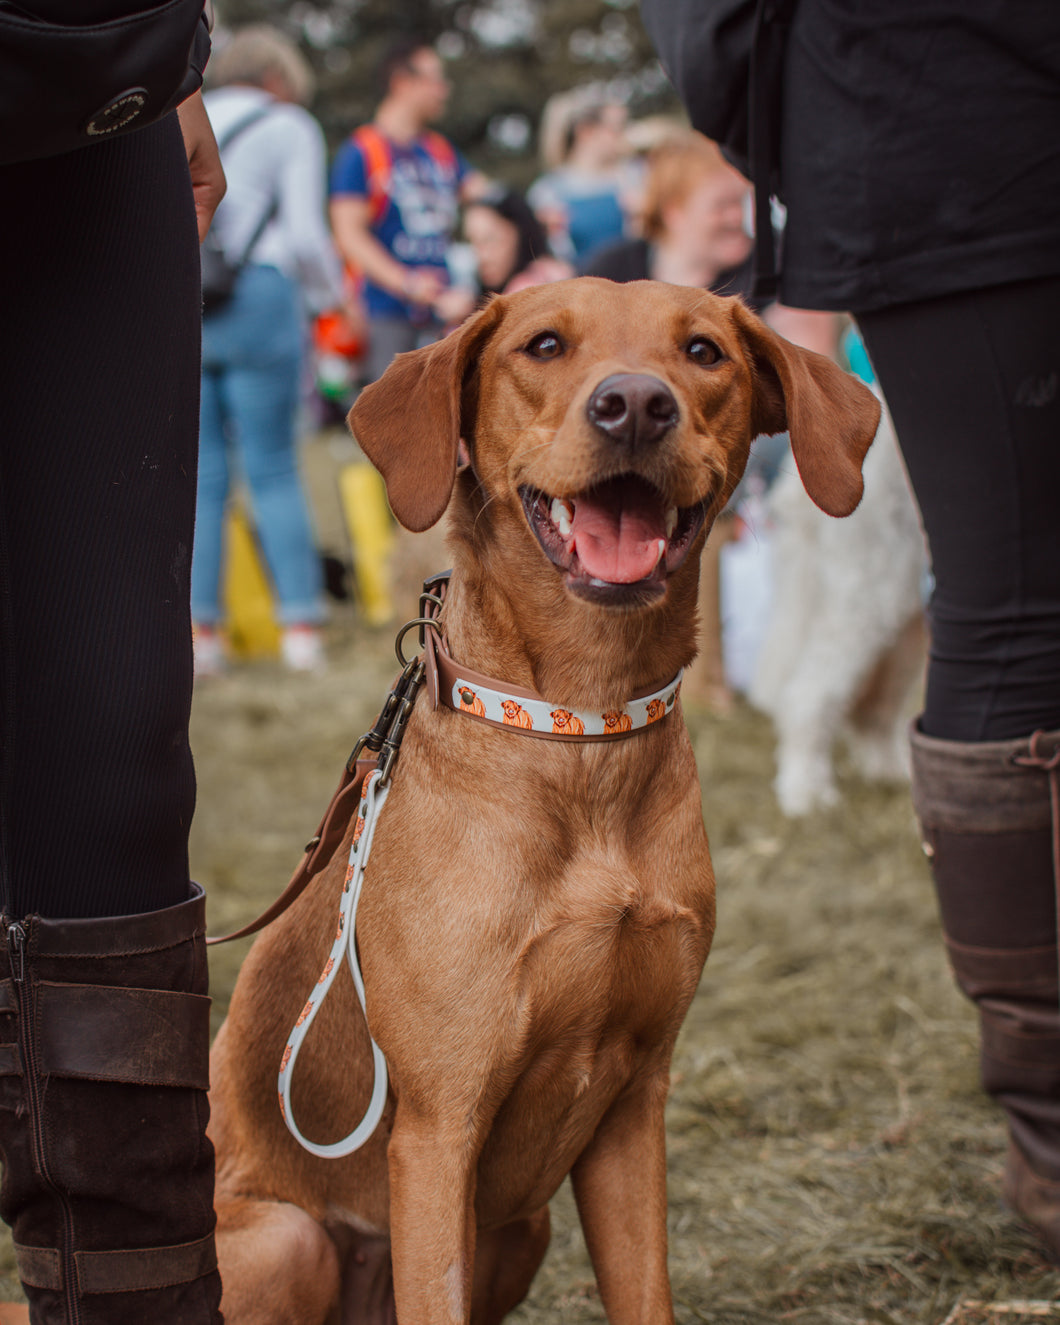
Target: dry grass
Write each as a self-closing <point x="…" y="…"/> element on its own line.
<point x="832" y="1161"/>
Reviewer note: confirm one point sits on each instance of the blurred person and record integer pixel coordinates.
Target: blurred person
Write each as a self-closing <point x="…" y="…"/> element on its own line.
<point x="509" y="244"/>
<point x="255" y="344"/>
<point x="642" y="138"/>
<point x="107" y="1171"/>
<point x="932" y="216"/>
<point x="580" y="198"/>
<point x="694" y="218"/>
<point x="693" y="223"/>
<point x="396" y="190"/>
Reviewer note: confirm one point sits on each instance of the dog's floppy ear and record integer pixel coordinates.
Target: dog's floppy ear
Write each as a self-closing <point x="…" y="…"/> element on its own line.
<point x="408" y="422"/>
<point x="829" y="415"/>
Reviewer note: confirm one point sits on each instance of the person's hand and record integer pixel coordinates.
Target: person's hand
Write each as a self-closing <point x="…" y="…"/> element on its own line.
<point x="454" y="304"/>
<point x="204" y="160"/>
<point x="422" y="285"/>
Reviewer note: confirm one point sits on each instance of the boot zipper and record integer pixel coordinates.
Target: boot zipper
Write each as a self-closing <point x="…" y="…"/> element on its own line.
<point x="16" y="946"/>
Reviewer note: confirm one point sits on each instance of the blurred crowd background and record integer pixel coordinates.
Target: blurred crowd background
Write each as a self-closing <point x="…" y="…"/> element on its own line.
<point x="535" y="141"/>
<point x="505" y="58"/>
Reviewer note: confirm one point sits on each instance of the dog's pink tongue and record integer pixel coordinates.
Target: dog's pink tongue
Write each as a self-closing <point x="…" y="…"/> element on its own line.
<point x="619" y="533"/>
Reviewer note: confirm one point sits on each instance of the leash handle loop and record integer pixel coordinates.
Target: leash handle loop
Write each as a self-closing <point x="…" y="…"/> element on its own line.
<point x="373" y="796"/>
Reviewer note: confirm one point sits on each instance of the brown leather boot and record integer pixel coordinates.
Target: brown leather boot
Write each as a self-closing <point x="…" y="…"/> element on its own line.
<point x="990" y="816"/>
<point x="107" y="1172"/>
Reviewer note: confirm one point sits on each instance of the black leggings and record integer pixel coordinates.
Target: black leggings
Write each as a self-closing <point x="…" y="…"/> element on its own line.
<point x="99" y="393"/>
<point x="973" y="384"/>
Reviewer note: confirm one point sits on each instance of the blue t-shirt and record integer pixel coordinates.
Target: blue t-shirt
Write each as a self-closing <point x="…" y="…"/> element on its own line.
<point x="418" y="223"/>
<point x="591" y="208"/>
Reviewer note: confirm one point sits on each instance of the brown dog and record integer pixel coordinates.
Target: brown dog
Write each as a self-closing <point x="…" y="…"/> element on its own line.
<point x="529" y="950"/>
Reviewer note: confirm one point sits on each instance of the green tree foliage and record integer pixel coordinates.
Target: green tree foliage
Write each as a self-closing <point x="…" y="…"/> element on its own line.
<point x="505" y="57"/>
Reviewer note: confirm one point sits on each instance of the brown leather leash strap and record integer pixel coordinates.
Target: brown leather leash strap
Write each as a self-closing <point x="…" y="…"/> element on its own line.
<point x="377" y="748"/>
<point x="319" y="850"/>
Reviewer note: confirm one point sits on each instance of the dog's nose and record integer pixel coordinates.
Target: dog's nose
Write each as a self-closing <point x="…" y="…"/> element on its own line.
<point x="632" y="408"/>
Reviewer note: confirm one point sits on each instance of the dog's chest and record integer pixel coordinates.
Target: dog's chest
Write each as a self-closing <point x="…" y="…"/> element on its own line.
<point x="596" y="1001"/>
<point x="612" y="952"/>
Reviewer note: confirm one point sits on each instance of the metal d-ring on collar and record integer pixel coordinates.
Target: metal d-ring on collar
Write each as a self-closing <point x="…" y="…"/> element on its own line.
<point x="384" y="738"/>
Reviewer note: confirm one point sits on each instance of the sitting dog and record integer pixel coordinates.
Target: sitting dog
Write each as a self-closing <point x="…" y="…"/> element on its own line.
<point x="846" y="641"/>
<point x="536" y="912"/>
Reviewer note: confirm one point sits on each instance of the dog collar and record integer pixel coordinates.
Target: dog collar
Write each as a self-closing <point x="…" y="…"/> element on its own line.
<point x="515" y="709"/>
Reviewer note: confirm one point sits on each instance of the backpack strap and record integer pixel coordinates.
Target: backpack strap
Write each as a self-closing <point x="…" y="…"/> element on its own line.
<point x="441" y="149"/>
<point x="240" y="125"/>
<point x="255" y="116"/>
<point x="376" y="152"/>
<point x="378" y="161"/>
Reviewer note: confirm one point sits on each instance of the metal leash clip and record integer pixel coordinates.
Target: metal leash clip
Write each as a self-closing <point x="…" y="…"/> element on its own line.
<point x="389" y="752"/>
<point x="373" y="740"/>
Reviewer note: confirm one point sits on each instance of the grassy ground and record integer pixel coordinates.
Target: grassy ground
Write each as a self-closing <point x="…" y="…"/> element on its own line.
<point x="832" y="1161"/>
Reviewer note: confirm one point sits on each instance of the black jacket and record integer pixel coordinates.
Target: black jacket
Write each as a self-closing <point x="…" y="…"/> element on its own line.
<point x="74" y="73"/>
<point x="919" y="145"/>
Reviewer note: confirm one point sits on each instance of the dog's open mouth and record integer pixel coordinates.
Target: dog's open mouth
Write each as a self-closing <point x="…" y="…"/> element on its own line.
<point x="617" y="541"/>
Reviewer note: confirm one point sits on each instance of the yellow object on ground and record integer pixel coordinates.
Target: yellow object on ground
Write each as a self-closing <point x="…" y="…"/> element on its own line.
<point x="371" y="531"/>
<point x="250" y="605"/>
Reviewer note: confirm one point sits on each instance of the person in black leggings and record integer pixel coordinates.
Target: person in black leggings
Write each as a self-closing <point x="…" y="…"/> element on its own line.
<point x="916" y="152"/>
<point x="104" y="1033"/>
<point x="973" y="384"/>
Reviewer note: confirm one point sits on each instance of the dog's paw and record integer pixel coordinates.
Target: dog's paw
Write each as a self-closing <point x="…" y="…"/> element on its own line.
<point x="878" y="756"/>
<point x="801" y="789"/>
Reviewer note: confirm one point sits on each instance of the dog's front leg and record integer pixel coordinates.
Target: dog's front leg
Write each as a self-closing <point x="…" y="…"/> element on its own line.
<point x="432" y="1222"/>
<point x="620" y="1186"/>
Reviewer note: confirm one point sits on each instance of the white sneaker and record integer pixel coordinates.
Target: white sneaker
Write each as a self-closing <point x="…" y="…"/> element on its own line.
<point x="209" y="651"/>
<point x="302" y="649"/>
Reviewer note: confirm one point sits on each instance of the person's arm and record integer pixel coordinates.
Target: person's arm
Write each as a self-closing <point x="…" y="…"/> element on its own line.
<point x="802" y="326"/>
<point x="204" y="160"/>
<point x="351" y="226"/>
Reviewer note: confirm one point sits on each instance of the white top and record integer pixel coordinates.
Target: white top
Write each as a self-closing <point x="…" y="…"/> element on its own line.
<point x="282" y="155"/>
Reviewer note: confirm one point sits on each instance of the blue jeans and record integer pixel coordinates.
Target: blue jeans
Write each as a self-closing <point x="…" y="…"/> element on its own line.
<point x="252" y="351"/>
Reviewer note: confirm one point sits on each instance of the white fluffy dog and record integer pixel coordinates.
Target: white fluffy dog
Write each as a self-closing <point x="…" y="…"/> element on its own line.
<point x="846" y="641"/>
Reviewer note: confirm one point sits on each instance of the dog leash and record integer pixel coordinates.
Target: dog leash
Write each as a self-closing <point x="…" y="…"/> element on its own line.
<point x="373" y="797"/>
<point x="448" y="685"/>
<point x="365" y="783"/>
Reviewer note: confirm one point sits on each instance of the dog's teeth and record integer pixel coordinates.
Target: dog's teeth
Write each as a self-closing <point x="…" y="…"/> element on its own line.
<point x="662" y="550"/>
<point x="562" y="516"/>
<point x="671" y="521"/>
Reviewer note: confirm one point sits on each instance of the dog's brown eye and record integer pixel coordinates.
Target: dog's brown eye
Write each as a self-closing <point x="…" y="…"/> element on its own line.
<point x="546" y="346"/>
<point x="703" y="351"/>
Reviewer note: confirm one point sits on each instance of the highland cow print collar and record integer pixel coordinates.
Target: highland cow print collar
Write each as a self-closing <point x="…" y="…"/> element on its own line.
<point x="515" y="709"/>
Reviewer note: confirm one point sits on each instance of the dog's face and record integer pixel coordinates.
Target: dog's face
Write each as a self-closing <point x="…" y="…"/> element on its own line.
<point x="605" y="415"/>
<point x="607" y="425"/>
